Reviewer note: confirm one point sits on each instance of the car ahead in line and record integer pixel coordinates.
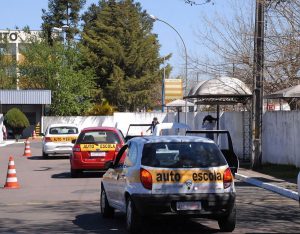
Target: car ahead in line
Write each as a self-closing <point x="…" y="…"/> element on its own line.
<point x="58" y="139"/>
<point x="95" y="149"/>
<point x="160" y="175"/>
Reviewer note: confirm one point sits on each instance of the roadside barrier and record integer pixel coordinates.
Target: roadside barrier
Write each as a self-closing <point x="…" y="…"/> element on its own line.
<point x="11" y="179"/>
<point x="27" y="151"/>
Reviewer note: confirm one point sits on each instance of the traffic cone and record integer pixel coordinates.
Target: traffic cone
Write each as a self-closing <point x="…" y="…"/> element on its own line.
<point x="11" y="179"/>
<point x="33" y="135"/>
<point x="27" y="151"/>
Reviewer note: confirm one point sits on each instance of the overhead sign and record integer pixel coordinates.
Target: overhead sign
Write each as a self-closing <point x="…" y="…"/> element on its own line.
<point x="173" y="89"/>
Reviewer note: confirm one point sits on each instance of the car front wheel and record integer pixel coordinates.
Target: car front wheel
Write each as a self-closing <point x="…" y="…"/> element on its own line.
<point x="133" y="220"/>
<point x="75" y="173"/>
<point x="227" y="223"/>
<point x="106" y="210"/>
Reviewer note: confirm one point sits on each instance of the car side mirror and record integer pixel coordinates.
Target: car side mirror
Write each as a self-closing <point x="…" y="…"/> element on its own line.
<point x="73" y="141"/>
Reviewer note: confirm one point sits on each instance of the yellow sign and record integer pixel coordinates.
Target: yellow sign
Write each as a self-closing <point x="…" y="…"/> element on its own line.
<point x="173" y="89"/>
<point x="63" y="139"/>
<point x="180" y="176"/>
<point x="97" y="147"/>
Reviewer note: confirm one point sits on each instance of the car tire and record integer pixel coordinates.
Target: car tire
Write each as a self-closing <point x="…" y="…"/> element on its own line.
<point x="105" y="209"/>
<point x="227" y="223"/>
<point x="75" y="173"/>
<point x="45" y="155"/>
<point x="133" y="220"/>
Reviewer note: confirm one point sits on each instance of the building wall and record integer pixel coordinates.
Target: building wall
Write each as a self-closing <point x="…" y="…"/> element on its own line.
<point x="281" y="134"/>
<point x="228" y="120"/>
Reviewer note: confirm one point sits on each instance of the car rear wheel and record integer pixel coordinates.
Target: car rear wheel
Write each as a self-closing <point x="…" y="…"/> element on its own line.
<point x="133" y="220"/>
<point x="75" y="173"/>
<point x="45" y="155"/>
<point x="106" y="210"/>
<point x="227" y="223"/>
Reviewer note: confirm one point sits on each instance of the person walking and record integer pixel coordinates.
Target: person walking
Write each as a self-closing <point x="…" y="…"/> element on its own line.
<point x="209" y="123"/>
<point x="153" y="124"/>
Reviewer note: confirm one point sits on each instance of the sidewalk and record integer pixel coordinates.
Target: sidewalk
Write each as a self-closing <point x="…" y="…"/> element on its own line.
<point x="273" y="184"/>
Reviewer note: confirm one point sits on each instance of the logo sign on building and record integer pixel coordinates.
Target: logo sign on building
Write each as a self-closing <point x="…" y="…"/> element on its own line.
<point x="17" y="36"/>
<point x="173" y="89"/>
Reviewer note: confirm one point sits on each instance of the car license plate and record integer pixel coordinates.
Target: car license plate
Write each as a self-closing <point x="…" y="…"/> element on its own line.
<point x="98" y="154"/>
<point x="188" y="205"/>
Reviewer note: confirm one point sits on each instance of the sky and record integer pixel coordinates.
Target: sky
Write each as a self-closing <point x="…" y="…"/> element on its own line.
<point x="181" y="16"/>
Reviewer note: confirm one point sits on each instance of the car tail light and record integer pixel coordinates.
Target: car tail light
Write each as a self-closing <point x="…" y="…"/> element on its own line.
<point x="48" y="139"/>
<point x="76" y="148"/>
<point x="146" y="178"/>
<point x="118" y="147"/>
<point x="227" y="178"/>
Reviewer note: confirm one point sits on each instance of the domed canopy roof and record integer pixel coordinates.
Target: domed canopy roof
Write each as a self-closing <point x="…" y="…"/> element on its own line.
<point x="222" y="89"/>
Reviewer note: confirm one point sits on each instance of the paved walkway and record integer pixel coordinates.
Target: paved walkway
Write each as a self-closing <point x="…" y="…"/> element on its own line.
<point x="276" y="185"/>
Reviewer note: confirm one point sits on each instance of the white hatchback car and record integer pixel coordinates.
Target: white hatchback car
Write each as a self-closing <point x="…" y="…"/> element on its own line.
<point x="58" y="139"/>
<point x="182" y="175"/>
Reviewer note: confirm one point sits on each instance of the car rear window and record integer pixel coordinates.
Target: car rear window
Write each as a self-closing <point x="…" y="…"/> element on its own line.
<point x="63" y="130"/>
<point x="182" y="155"/>
<point x="96" y="137"/>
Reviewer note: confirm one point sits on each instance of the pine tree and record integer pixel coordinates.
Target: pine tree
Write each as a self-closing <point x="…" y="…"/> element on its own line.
<point x="125" y="54"/>
<point x="62" y="12"/>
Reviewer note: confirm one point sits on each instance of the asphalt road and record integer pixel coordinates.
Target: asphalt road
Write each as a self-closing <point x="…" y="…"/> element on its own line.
<point x="50" y="201"/>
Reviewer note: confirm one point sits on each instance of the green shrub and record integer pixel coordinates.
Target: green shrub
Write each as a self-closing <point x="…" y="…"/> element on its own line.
<point x="16" y="121"/>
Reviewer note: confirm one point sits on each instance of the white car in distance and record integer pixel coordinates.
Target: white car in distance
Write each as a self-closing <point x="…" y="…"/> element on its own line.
<point x="58" y="139"/>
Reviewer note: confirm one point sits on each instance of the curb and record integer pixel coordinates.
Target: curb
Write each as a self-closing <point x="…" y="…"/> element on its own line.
<point x="282" y="191"/>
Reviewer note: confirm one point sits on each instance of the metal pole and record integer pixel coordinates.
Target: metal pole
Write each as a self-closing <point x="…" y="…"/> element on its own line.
<point x="185" y="51"/>
<point x="163" y="90"/>
<point x="258" y="84"/>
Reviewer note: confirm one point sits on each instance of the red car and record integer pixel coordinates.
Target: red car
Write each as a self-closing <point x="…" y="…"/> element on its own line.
<point x="95" y="149"/>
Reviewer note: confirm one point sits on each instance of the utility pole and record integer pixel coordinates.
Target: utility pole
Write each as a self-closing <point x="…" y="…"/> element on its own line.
<point x="258" y="78"/>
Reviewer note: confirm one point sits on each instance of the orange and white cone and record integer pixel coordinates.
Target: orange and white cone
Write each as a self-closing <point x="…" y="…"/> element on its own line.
<point x="11" y="180"/>
<point x="33" y="134"/>
<point x="27" y="151"/>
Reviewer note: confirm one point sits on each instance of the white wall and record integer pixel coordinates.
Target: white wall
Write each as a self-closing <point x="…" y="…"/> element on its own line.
<point x="1" y="124"/>
<point x="231" y="121"/>
<point x="281" y="137"/>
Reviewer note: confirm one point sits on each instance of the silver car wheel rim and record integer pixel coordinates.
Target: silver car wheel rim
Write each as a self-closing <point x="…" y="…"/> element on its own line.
<point x="129" y="211"/>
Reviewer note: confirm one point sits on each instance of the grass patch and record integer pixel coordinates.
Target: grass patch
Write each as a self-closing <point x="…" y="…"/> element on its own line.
<point x="284" y="172"/>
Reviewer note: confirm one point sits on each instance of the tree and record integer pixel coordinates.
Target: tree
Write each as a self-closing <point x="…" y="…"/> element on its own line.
<point x="8" y="75"/>
<point x="17" y="121"/>
<point x="229" y="44"/>
<point x="62" y="12"/>
<point x="59" y="69"/>
<point x="125" y="54"/>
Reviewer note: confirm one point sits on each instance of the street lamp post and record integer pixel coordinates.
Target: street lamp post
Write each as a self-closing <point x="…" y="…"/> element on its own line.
<point x="62" y="30"/>
<point x="185" y="51"/>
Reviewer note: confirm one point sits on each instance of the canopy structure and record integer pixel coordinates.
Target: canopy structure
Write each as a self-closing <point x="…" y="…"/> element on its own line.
<point x="291" y="92"/>
<point x="178" y="103"/>
<point x="220" y="91"/>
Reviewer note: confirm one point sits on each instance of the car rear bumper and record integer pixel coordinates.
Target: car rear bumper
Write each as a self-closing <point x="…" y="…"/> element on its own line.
<point x="89" y="165"/>
<point x="214" y="205"/>
<point x="57" y="148"/>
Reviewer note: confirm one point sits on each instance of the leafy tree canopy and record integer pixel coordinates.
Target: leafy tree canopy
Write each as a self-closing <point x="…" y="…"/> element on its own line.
<point x="58" y="68"/>
<point x="125" y="54"/>
<point x="62" y="12"/>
